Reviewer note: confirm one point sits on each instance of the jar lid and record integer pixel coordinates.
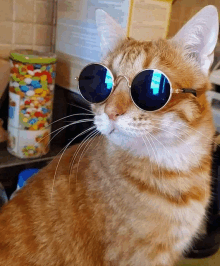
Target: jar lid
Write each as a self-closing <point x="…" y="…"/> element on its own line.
<point x="33" y="57"/>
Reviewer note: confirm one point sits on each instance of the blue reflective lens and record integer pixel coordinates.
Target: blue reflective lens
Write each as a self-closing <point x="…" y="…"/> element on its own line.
<point x="95" y="83"/>
<point x="150" y="90"/>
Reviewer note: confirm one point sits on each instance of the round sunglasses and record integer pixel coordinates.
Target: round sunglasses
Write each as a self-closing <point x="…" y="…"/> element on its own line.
<point x="150" y="89"/>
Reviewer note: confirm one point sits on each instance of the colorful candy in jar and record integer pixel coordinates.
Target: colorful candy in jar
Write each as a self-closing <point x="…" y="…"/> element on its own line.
<point x="31" y="88"/>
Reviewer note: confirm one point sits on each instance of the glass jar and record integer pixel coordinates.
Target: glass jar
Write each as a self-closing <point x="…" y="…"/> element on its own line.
<point x="31" y="92"/>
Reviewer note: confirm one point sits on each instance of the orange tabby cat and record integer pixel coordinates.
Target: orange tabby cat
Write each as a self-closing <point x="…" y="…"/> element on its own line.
<point x="139" y="196"/>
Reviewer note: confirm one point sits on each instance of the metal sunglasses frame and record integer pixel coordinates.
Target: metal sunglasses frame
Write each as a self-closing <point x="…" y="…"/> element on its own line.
<point x="183" y="90"/>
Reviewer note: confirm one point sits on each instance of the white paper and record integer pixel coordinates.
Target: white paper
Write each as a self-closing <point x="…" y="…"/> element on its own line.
<point x="76" y="29"/>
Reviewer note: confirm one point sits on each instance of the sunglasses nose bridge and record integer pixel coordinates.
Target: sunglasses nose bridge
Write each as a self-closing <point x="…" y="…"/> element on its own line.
<point x="121" y="77"/>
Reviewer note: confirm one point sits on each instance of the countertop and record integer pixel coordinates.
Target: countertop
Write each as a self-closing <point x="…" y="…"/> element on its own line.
<point x="9" y="160"/>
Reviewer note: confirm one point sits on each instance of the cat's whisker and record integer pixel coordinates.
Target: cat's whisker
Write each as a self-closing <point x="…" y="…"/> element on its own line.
<point x="77" y="151"/>
<point x="57" y="133"/>
<point x="170" y="125"/>
<point x="87" y="146"/>
<point x="148" y="153"/>
<point x="64" y="152"/>
<point x="154" y="154"/>
<point x="164" y="148"/>
<point x="81" y="107"/>
<point x="175" y="136"/>
<point x="188" y="133"/>
<point x="62" y="128"/>
<point x="92" y="138"/>
<point x="74" y="123"/>
<point x="67" y="117"/>
<point x="188" y="146"/>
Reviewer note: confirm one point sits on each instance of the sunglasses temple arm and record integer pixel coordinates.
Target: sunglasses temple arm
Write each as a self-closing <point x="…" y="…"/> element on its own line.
<point x="189" y="91"/>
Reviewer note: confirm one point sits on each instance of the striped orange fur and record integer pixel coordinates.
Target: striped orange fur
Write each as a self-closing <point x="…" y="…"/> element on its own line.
<point x="139" y="195"/>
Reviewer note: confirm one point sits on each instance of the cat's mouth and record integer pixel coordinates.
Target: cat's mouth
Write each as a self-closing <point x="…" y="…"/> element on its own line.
<point x="111" y="131"/>
<point x="112" y="128"/>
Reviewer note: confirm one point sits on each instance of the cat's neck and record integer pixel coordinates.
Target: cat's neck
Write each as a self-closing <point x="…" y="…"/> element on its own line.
<point x="183" y="155"/>
<point x="152" y="176"/>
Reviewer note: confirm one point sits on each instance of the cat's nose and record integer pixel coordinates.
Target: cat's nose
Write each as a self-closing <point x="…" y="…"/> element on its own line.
<point x="113" y="110"/>
<point x="117" y="105"/>
<point x="113" y="114"/>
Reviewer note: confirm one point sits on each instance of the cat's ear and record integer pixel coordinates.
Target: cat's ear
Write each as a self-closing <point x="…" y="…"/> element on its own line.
<point x="199" y="36"/>
<point x="110" y="32"/>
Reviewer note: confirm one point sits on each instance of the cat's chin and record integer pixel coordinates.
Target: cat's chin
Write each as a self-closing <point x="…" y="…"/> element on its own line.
<point x="133" y="144"/>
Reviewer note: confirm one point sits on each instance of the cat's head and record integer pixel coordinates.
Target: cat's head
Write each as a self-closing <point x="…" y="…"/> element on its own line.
<point x="185" y="60"/>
